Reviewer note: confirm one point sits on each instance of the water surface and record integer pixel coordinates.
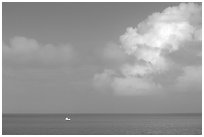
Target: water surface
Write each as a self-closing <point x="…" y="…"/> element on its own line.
<point x="102" y="124"/>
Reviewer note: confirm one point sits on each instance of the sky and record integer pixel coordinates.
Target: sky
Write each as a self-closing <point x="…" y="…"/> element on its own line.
<point x="102" y="58"/>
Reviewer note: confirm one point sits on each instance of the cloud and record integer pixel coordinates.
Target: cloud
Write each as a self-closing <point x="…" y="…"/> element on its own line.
<point x="109" y="79"/>
<point x="191" y="80"/>
<point x="23" y="51"/>
<point x="113" y="56"/>
<point x="163" y="33"/>
<point x="102" y="80"/>
<point x="134" y="86"/>
<point x="115" y="53"/>
<point x="164" y="43"/>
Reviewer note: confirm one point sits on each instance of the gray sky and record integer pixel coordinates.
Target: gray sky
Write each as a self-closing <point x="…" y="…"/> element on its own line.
<point x="95" y="58"/>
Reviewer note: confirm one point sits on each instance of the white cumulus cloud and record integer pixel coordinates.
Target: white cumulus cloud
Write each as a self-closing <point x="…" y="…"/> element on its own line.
<point x="165" y="31"/>
<point x="152" y="42"/>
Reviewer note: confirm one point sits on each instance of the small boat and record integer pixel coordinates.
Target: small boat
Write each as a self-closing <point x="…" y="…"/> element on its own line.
<point x="67" y="119"/>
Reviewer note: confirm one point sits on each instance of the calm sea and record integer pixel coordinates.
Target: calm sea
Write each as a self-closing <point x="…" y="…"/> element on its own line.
<point x="102" y="124"/>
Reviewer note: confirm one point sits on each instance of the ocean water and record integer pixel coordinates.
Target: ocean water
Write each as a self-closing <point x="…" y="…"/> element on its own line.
<point x="102" y="124"/>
